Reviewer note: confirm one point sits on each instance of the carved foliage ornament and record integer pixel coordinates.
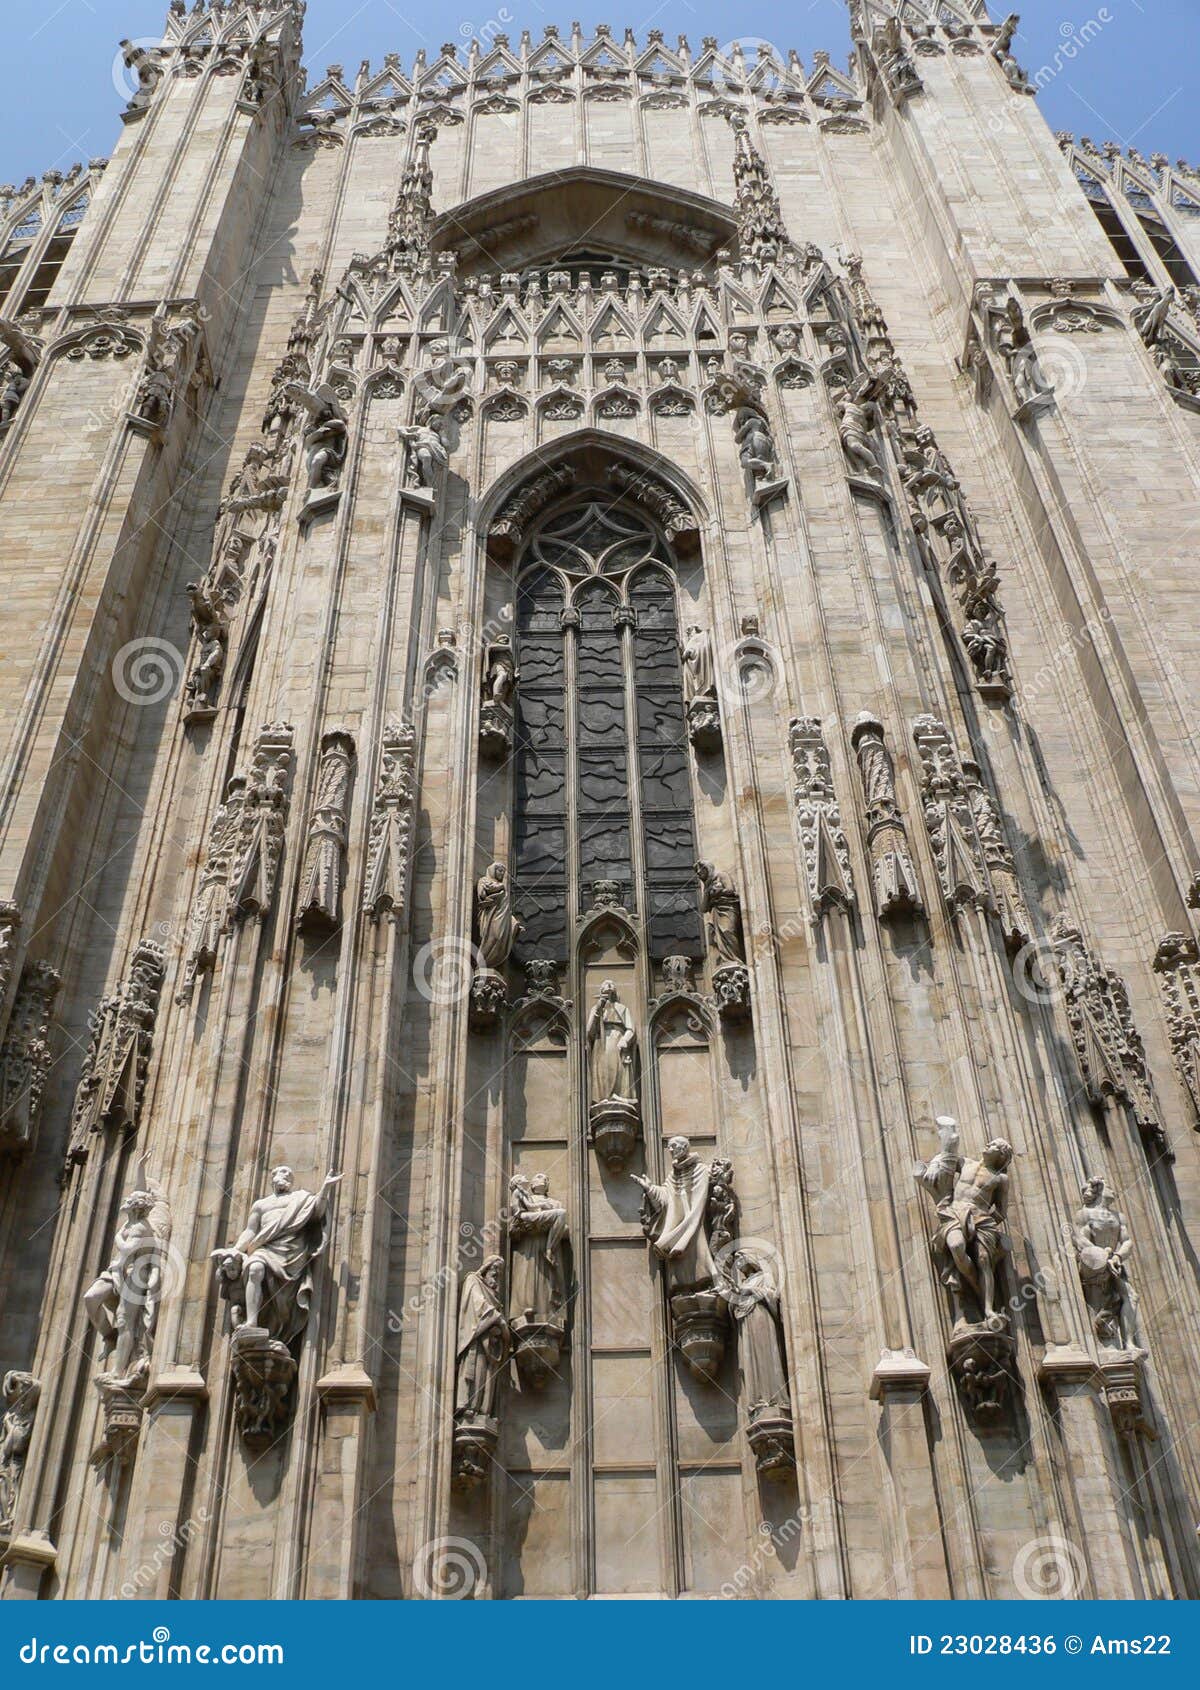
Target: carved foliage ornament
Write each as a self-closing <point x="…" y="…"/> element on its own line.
<point x="822" y="838"/>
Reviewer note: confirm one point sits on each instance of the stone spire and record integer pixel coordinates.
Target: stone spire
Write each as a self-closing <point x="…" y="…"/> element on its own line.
<point x="761" y="232"/>
<point x="409" y="223"/>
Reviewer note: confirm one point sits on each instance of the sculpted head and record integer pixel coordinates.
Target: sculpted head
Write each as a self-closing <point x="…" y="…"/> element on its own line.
<point x="138" y="1204"/>
<point x="608" y="991"/>
<point x="998" y="1154"/>
<point x="492" y="1273"/>
<point x="678" y="1149"/>
<point x="540" y="1185"/>
<point x="1096" y="1190"/>
<point x="282" y="1181"/>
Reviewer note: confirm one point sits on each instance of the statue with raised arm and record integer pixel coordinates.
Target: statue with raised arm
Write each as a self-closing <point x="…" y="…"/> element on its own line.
<point x="267" y="1273"/>
<point x="267" y="1278"/>
<point x="678" y="1219"/>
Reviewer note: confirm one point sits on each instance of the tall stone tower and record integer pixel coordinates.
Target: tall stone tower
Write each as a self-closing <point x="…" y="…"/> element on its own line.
<point x="600" y="829"/>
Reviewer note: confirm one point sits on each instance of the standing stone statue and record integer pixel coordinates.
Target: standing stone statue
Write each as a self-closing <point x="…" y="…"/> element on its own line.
<point x="537" y="1297"/>
<point x="614" y="1117"/>
<point x="700" y="689"/>
<point x="480" y="1354"/>
<point x="21" y="1392"/>
<point x="856" y="417"/>
<point x="722" y="911"/>
<point x="326" y="434"/>
<point x="498" y="930"/>
<point x="971" y="1199"/>
<point x="1102" y="1249"/>
<point x="677" y="1219"/>
<point x="267" y="1278"/>
<point x="754" y="1304"/>
<point x="426" y="454"/>
<point x="122" y="1305"/>
<point x="496" y="702"/>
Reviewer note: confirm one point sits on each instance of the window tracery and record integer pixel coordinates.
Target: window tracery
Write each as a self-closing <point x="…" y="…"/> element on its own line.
<point x="603" y="785"/>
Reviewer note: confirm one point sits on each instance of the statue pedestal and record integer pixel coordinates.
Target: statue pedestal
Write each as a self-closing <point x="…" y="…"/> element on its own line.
<point x="1121" y="1374"/>
<point x="537" y="1347"/>
<point x="489" y="994"/>
<point x="731" y="984"/>
<point x="475" y="1439"/>
<point x="319" y="501"/>
<point x="263" y="1371"/>
<point x="613" y="1128"/>
<point x="700" y="1324"/>
<point x="123" y="1401"/>
<point x="770" y="1435"/>
<point x="981" y="1360"/>
<point x="495" y="731"/>
<point x="704" y="724"/>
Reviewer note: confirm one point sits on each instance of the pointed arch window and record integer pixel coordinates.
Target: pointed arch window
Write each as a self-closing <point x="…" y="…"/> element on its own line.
<point x="603" y="803"/>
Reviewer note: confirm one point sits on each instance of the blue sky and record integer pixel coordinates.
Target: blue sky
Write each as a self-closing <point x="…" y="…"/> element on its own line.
<point x="1123" y="70"/>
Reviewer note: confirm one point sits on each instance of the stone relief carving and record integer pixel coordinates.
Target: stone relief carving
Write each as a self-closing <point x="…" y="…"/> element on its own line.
<point x="209" y="919"/>
<point x="113" y="1083"/>
<point x="262" y="813"/>
<point x="10" y="925"/>
<point x="22" y="354"/>
<point x="686" y="1219"/>
<point x="949" y="819"/>
<point x="149" y="69"/>
<point x="508" y="530"/>
<point x="385" y="884"/>
<point x="122" y="1305"/>
<point x="500" y="676"/>
<point x="537" y="1279"/>
<point x="614" y="1113"/>
<point x="1008" y="900"/>
<point x="320" y="903"/>
<point x="822" y="839"/>
<point x="1177" y="964"/>
<point x="1112" y="1059"/>
<point x="722" y="911"/>
<point x="21" y="1392"/>
<point x="894" y="876"/>
<point x="970" y="1197"/>
<point x="25" y="1057"/>
<point x="266" y="1277"/>
<point x="498" y="930"/>
<point x="481" y="1352"/>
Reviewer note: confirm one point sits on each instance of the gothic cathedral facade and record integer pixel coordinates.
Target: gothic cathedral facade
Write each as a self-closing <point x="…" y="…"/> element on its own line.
<point x="600" y="829"/>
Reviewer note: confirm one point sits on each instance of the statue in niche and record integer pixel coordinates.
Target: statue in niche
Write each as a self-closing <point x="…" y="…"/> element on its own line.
<point x="988" y="650"/>
<point x="498" y="930"/>
<point x="756" y="449"/>
<point x="266" y="1276"/>
<point x="481" y="1351"/>
<point x="722" y="911"/>
<point x="700" y="689"/>
<point x="537" y="1295"/>
<point x="21" y="1392"/>
<point x="1102" y="1249"/>
<point x="755" y="1306"/>
<point x="614" y="1118"/>
<point x="971" y="1199"/>
<point x="122" y="1305"/>
<point x="678" y="1219"/>
<point x="495" y="710"/>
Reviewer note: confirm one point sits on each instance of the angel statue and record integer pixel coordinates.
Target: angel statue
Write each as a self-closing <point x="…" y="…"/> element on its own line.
<point x="971" y="1199"/>
<point x="123" y="1303"/>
